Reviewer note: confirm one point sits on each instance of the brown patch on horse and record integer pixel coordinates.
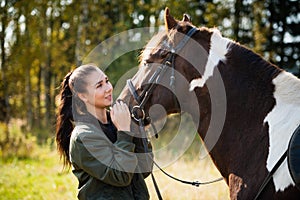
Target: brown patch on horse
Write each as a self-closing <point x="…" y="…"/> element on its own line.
<point x="235" y="186"/>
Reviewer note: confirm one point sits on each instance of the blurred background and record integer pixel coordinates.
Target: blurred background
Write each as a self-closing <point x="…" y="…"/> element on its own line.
<point x="41" y="40"/>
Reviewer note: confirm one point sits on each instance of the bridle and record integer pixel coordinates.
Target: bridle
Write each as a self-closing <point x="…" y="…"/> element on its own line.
<point x="138" y="112"/>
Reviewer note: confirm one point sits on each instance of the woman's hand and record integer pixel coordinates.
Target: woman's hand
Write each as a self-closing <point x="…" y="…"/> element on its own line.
<point x="120" y="116"/>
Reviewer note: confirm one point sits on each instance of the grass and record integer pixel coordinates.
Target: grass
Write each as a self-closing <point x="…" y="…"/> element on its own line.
<point x="195" y="170"/>
<point x="37" y="172"/>
<point x="37" y="178"/>
<point x="187" y="167"/>
<point x="42" y="178"/>
<point x="172" y="142"/>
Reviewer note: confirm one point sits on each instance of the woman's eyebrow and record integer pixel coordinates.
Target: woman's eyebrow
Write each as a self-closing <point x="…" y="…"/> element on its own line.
<point x="99" y="82"/>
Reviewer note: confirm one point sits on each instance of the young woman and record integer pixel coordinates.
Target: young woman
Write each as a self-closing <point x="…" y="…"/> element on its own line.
<point x="108" y="161"/>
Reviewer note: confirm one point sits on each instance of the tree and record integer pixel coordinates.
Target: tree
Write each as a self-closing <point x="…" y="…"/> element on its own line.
<point x="4" y="97"/>
<point x="41" y="40"/>
<point x="283" y="43"/>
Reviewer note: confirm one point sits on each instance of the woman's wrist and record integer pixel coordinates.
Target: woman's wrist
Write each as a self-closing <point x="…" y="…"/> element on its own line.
<point x="125" y="135"/>
<point x="125" y="129"/>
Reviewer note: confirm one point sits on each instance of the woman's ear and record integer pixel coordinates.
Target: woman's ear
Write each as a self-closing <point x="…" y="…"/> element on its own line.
<point x="82" y="97"/>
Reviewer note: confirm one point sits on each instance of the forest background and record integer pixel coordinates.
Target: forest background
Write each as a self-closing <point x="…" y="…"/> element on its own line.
<point x="41" y="40"/>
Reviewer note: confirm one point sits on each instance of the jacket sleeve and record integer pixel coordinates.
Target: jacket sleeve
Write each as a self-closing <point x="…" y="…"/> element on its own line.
<point x="111" y="163"/>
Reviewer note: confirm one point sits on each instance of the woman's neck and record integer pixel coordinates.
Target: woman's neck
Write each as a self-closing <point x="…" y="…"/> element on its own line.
<point x="99" y="113"/>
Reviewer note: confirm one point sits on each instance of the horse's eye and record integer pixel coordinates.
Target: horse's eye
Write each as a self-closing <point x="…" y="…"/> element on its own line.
<point x="148" y="61"/>
<point x="180" y="29"/>
<point x="162" y="53"/>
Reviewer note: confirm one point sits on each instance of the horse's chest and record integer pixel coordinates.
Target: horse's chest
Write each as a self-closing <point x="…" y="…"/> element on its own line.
<point x="282" y="120"/>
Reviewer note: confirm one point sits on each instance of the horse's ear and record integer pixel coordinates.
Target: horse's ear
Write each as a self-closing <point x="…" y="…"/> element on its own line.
<point x="186" y="18"/>
<point x="170" y="22"/>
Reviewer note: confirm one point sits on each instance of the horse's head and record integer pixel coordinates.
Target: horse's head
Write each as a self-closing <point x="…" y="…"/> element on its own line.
<point x="168" y="64"/>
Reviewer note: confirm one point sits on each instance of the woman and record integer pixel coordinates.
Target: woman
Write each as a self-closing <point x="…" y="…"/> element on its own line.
<point x="107" y="160"/>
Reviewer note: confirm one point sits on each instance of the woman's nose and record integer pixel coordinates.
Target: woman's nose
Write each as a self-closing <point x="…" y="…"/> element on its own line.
<point x="108" y="87"/>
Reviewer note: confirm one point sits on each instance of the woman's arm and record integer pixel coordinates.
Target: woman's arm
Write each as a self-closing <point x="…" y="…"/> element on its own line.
<point x="111" y="163"/>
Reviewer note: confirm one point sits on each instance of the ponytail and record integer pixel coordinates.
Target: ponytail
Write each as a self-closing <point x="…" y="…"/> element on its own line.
<point x="64" y="124"/>
<point x="70" y="106"/>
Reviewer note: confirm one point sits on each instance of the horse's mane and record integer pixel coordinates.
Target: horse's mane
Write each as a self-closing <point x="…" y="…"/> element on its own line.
<point x="256" y="60"/>
<point x="248" y="58"/>
<point x="286" y="83"/>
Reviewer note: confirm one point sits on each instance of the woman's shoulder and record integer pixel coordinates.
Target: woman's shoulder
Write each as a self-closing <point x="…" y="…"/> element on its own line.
<point x="86" y="130"/>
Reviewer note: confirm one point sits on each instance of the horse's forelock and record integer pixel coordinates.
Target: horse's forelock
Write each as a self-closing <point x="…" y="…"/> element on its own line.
<point x="162" y="40"/>
<point x="153" y="43"/>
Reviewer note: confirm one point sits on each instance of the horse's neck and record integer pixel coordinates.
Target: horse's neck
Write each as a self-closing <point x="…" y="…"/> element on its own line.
<point x="263" y="106"/>
<point x="247" y="80"/>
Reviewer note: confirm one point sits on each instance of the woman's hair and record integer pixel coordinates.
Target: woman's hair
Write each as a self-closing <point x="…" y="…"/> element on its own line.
<point x="70" y="106"/>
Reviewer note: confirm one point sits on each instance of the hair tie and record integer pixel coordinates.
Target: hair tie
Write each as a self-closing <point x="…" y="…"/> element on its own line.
<point x="67" y="77"/>
<point x="67" y="93"/>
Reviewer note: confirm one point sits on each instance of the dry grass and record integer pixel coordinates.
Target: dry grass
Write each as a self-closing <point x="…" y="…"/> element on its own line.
<point x="202" y="171"/>
<point x="168" y="150"/>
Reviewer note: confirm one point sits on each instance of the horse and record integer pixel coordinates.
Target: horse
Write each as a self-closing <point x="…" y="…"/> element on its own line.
<point x="245" y="109"/>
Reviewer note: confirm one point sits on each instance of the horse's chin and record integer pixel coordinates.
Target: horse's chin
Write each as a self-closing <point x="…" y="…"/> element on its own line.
<point x="174" y="111"/>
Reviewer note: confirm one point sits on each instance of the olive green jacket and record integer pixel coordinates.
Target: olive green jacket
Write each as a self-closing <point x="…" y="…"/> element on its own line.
<point x="107" y="170"/>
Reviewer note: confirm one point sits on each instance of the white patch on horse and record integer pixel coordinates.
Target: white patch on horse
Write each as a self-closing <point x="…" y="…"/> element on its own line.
<point x="217" y="52"/>
<point x="283" y="120"/>
<point x="146" y="53"/>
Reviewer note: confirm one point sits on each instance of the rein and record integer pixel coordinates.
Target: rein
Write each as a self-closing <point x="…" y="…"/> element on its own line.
<point x="138" y="113"/>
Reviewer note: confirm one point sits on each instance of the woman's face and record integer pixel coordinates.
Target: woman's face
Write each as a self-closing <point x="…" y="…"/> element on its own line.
<point x="99" y="90"/>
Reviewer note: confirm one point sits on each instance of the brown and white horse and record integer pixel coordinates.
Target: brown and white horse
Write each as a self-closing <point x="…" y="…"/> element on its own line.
<point x="219" y="81"/>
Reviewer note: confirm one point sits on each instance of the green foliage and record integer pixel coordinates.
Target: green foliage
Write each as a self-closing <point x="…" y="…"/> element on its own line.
<point x="42" y="40"/>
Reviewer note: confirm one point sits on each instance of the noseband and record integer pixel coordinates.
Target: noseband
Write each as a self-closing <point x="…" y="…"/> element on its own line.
<point x="137" y="111"/>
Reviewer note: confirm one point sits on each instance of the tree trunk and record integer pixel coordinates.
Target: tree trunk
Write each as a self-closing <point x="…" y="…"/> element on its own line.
<point x="47" y="81"/>
<point x="46" y="73"/>
<point x="83" y="17"/>
<point x="3" y="67"/>
<point x="27" y="63"/>
<point x="237" y="18"/>
<point x="38" y="97"/>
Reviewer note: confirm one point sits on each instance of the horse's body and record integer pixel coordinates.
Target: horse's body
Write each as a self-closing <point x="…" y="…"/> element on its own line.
<point x="262" y="106"/>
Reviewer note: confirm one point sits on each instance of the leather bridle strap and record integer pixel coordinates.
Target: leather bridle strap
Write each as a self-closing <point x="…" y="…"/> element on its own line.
<point x="133" y="91"/>
<point x="154" y="79"/>
<point x="184" y="40"/>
